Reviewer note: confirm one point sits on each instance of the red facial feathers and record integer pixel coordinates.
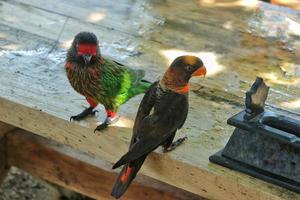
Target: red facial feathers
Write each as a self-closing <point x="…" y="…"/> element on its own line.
<point x="86" y="48"/>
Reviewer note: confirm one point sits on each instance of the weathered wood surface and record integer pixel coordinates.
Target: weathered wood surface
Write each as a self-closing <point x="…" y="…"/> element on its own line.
<point x="74" y="170"/>
<point x="227" y="41"/>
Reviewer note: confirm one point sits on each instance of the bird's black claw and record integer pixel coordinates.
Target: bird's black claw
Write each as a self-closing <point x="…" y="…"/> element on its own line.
<point x="94" y="112"/>
<point x="101" y="127"/>
<point x="108" y="121"/>
<point x="175" y="144"/>
<point x="88" y="111"/>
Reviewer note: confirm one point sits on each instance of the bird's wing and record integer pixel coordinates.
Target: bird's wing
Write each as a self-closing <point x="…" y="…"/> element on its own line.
<point x="147" y="142"/>
<point x="136" y="74"/>
<point x="185" y="111"/>
<point x="146" y="105"/>
<point x="116" y="62"/>
<point x="154" y="129"/>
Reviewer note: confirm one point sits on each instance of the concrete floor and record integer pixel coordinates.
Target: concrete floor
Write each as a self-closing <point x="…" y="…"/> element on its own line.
<point x="19" y="185"/>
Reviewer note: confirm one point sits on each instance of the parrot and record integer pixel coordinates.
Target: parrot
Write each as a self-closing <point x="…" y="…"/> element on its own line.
<point x="100" y="80"/>
<point x="162" y="111"/>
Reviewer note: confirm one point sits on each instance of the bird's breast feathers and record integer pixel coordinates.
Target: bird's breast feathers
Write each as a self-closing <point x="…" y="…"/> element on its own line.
<point x="82" y="79"/>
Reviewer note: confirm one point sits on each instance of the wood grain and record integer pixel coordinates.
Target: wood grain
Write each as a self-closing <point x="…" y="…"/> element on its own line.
<point x="42" y="101"/>
<point x="72" y="169"/>
<point x="163" y="167"/>
<point x="225" y="40"/>
<point x="3" y="159"/>
<point x="4" y="128"/>
<point x="35" y="21"/>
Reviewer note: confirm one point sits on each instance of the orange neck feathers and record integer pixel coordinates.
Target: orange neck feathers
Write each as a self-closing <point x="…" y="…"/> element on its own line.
<point x="172" y="81"/>
<point x="182" y="89"/>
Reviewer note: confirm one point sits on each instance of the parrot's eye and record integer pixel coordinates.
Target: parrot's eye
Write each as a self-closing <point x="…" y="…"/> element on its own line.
<point x="189" y="68"/>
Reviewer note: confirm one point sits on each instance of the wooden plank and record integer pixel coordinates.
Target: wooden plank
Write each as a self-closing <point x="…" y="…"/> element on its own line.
<point x="49" y="25"/>
<point x="72" y="169"/>
<point x="4" y="128"/>
<point x="224" y="46"/>
<point x="3" y="159"/>
<point x="229" y="45"/>
<point x="36" y="91"/>
<point x="125" y="17"/>
<point x="21" y="39"/>
<point x="222" y="40"/>
<point x="241" y="77"/>
<point x="219" y="183"/>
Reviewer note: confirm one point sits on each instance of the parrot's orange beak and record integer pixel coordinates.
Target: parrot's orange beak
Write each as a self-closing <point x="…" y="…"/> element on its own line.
<point x="200" y="72"/>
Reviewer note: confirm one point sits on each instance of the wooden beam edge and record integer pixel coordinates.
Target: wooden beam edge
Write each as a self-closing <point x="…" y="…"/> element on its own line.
<point x="212" y="184"/>
<point x="64" y="166"/>
<point x="4" y="167"/>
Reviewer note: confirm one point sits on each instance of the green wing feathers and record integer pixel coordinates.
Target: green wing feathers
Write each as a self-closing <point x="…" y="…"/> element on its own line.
<point x="122" y="83"/>
<point x="138" y="85"/>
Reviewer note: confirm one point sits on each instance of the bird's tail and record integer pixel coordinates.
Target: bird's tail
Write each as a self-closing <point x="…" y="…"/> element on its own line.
<point x="126" y="176"/>
<point x="139" y="74"/>
<point x="141" y="87"/>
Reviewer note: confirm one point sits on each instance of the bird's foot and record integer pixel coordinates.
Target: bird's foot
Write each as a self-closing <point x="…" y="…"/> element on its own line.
<point x="108" y="121"/>
<point x="174" y="144"/>
<point x="88" y="111"/>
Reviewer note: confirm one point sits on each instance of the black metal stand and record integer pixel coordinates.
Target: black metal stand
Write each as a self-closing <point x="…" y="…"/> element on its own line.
<point x="264" y="144"/>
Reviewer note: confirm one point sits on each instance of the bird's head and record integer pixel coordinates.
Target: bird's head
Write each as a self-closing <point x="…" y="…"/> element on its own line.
<point x="85" y="47"/>
<point x="181" y="70"/>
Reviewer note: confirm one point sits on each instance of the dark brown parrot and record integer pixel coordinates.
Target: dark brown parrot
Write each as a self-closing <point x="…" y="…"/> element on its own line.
<point x="161" y="113"/>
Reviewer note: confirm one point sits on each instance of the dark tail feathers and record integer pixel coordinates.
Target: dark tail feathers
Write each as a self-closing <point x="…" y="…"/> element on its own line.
<point x="126" y="176"/>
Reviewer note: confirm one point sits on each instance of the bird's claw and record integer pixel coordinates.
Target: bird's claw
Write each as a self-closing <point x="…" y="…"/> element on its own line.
<point x="175" y="144"/>
<point x="100" y="127"/>
<point x="94" y="112"/>
<point x="84" y="114"/>
<point x="108" y="121"/>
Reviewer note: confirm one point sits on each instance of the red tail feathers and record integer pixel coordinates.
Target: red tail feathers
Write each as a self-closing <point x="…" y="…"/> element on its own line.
<point x="126" y="174"/>
<point x="125" y="178"/>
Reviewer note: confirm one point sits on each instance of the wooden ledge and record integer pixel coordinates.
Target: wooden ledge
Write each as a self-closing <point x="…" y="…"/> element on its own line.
<point x="4" y="129"/>
<point x="75" y="170"/>
<point x="212" y="181"/>
<point x="37" y="97"/>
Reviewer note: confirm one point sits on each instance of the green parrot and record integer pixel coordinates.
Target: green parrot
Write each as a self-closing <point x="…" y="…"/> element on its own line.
<point x="99" y="79"/>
